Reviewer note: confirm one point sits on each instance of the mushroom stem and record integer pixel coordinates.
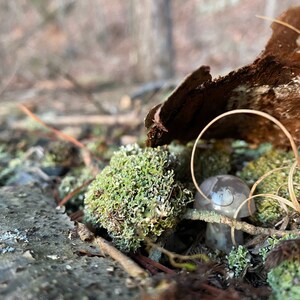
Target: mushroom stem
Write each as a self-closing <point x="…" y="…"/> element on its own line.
<point x="219" y="236"/>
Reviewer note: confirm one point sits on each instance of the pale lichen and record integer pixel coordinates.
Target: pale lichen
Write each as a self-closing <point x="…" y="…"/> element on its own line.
<point x="285" y="280"/>
<point x="283" y="263"/>
<point x="239" y="260"/>
<point x="136" y="196"/>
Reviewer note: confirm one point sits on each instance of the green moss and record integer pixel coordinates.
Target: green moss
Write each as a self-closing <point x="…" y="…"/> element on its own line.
<point x="75" y="179"/>
<point x="9" y="165"/>
<point x="285" y="280"/>
<point x="272" y="242"/>
<point x="61" y="153"/>
<point x="239" y="259"/>
<point x="212" y="160"/>
<point x="101" y="149"/>
<point x="136" y="195"/>
<point x="269" y="211"/>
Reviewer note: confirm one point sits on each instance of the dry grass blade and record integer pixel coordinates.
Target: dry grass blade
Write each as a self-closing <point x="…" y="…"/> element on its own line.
<point x="291" y="187"/>
<point x="281" y="200"/>
<point x="74" y="192"/>
<point x="279" y="22"/>
<point x="294" y="204"/>
<point x="62" y="135"/>
<point x="241" y="111"/>
<point x="86" y="153"/>
<point x="258" y="181"/>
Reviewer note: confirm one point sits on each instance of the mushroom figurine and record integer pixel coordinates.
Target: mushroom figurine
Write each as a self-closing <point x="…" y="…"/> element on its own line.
<point x="225" y="194"/>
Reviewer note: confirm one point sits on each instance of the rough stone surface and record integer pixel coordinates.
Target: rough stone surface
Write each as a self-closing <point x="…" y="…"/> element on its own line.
<point x="40" y="260"/>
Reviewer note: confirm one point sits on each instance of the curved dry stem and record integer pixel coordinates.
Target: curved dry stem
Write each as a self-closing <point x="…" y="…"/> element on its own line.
<point x="242" y="111"/>
<point x="260" y="179"/>
<point x="294" y="204"/>
<point x="291" y="187"/>
<point x="279" y="22"/>
<point x="283" y="206"/>
<point x="275" y="197"/>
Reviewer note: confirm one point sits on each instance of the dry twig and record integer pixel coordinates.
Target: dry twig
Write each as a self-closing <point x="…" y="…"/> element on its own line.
<point x="130" y="119"/>
<point x="128" y="264"/>
<point x="74" y="192"/>
<point x="86" y="153"/>
<point x="212" y="217"/>
<point x="58" y="133"/>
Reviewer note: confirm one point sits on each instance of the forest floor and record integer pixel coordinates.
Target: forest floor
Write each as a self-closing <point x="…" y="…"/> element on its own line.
<point x="101" y="113"/>
<point x="49" y="263"/>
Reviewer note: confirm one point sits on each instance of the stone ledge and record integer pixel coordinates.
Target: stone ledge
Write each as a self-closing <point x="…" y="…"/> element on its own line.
<point x="40" y="260"/>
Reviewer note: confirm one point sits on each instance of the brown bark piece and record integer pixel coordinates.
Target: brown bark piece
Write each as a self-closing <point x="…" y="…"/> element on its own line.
<point x="270" y="84"/>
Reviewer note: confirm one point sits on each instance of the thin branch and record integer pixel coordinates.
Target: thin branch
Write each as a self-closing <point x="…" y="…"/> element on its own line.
<point x="74" y="192"/>
<point x="212" y="217"/>
<point x="128" y="264"/>
<point x="130" y="119"/>
<point x="62" y="135"/>
<point x="10" y="79"/>
<point x="85" y="92"/>
<point x="173" y="256"/>
<point x="148" y="261"/>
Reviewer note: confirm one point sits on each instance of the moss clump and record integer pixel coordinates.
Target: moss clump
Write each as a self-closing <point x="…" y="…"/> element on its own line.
<point x="285" y="280"/>
<point x="136" y="195"/>
<point x="239" y="259"/>
<point x="212" y="160"/>
<point x="61" y="153"/>
<point x="269" y="211"/>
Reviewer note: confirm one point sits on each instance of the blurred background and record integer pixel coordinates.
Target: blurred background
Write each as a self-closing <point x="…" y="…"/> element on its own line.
<point x="111" y="48"/>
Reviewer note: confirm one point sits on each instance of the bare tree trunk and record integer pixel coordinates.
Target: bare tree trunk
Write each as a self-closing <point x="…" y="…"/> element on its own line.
<point x="152" y="34"/>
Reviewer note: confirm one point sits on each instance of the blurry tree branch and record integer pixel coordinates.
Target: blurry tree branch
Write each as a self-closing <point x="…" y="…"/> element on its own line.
<point x="47" y="18"/>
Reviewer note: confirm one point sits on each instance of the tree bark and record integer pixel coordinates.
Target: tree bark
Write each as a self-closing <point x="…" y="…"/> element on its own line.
<point x="152" y="36"/>
<point x="270" y="84"/>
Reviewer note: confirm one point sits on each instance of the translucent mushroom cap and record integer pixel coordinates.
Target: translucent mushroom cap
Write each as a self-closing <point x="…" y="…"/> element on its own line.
<point x="226" y="192"/>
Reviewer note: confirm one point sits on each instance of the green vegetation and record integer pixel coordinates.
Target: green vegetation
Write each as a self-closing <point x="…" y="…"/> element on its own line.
<point x="213" y="160"/>
<point x="285" y="280"/>
<point x="239" y="259"/>
<point x="269" y="211"/>
<point x="136" y="196"/>
<point x="280" y="258"/>
<point x="61" y="153"/>
<point x="75" y="179"/>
